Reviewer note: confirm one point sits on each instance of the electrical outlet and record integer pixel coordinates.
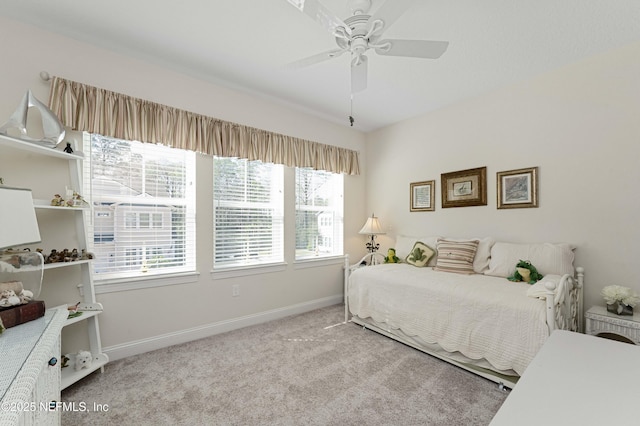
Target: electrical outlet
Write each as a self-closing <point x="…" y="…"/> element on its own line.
<point x="235" y="290"/>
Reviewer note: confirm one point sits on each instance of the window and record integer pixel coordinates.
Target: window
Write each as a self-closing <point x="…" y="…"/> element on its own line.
<point x="248" y="212"/>
<point x="319" y="207"/>
<point x="143" y="208"/>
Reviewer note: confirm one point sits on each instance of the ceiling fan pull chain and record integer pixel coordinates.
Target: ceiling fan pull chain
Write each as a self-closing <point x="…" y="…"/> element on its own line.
<point x="351" y="119"/>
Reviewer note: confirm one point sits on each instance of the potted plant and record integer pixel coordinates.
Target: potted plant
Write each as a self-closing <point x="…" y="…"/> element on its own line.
<point x="620" y="300"/>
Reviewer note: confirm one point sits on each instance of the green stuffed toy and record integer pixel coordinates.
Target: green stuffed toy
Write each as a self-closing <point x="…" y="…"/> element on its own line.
<point x="526" y="272"/>
<point x="391" y="256"/>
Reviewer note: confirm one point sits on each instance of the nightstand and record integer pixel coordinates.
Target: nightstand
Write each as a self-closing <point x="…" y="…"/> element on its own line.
<point x="601" y="322"/>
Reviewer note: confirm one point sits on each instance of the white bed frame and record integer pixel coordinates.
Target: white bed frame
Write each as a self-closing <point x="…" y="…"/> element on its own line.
<point x="564" y="307"/>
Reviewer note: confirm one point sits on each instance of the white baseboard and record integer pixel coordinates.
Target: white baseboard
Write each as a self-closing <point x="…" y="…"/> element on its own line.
<point x="128" y="349"/>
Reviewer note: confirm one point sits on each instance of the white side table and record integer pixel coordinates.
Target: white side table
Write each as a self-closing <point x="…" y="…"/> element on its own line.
<point x="600" y="321"/>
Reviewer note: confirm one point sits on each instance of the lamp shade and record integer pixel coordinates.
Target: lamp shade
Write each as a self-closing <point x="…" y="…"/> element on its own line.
<point x="18" y="223"/>
<point x="372" y="227"/>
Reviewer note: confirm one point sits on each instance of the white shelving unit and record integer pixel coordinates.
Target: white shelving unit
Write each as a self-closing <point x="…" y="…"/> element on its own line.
<point x="89" y="307"/>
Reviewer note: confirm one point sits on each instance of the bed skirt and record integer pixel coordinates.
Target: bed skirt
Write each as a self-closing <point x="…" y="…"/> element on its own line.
<point x="480" y="367"/>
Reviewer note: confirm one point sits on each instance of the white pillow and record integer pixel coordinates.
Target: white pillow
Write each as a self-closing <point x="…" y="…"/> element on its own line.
<point x="404" y="245"/>
<point x="546" y="257"/>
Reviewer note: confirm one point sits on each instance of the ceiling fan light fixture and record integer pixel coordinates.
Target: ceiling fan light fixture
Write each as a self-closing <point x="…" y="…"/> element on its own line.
<point x="361" y="32"/>
<point x="376" y="27"/>
<point x="343" y="43"/>
<point x="341" y="33"/>
<point x="382" y="47"/>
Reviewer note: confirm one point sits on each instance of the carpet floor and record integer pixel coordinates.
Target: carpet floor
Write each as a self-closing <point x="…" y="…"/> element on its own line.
<point x="293" y="371"/>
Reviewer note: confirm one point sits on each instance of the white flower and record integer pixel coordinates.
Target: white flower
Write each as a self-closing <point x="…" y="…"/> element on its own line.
<point x="617" y="293"/>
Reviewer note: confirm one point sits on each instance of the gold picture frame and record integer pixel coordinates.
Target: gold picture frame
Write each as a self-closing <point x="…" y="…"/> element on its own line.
<point x="422" y="196"/>
<point x="464" y="188"/>
<point x="518" y="188"/>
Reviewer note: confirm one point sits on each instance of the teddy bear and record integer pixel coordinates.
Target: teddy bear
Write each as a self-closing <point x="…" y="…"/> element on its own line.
<point x="9" y="298"/>
<point x="83" y="360"/>
<point x="526" y="272"/>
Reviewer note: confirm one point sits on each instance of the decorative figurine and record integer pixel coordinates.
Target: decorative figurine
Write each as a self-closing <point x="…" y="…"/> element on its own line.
<point x="73" y="311"/>
<point x="53" y="130"/>
<point x="57" y="200"/>
<point x="53" y="257"/>
<point x="14" y="261"/>
<point x="83" y="360"/>
<point x="68" y="148"/>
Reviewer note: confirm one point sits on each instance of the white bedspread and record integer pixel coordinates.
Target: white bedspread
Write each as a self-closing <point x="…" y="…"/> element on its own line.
<point x="478" y="315"/>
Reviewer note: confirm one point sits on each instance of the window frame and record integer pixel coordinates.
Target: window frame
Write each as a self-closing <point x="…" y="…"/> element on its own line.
<point x="335" y="219"/>
<point x="276" y="262"/>
<point x="146" y="277"/>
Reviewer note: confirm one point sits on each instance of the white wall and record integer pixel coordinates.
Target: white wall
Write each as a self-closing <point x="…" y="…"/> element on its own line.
<point x="134" y="320"/>
<point x="580" y="125"/>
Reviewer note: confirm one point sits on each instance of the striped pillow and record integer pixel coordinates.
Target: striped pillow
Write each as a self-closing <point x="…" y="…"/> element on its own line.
<point x="456" y="256"/>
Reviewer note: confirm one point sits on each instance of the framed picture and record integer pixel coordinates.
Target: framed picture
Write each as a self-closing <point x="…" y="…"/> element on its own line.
<point x="518" y="188"/>
<point x="422" y="196"/>
<point x="464" y="188"/>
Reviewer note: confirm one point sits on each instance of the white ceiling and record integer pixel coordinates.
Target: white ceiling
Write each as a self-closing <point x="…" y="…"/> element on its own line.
<point x="247" y="45"/>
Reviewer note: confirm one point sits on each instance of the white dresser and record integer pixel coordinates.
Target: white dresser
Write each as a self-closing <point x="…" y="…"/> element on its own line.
<point x="29" y="384"/>
<point x="576" y="379"/>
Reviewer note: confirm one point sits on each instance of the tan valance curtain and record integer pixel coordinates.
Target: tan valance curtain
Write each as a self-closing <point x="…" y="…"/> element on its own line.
<point x="95" y="110"/>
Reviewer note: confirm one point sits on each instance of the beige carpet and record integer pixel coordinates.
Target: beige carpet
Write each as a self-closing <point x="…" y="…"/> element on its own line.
<point x="286" y="372"/>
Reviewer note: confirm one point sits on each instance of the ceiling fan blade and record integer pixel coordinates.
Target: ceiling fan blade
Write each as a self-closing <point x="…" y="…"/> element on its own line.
<point x="321" y="14"/>
<point x="428" y="49"/>
<point x="389" y="12"/>
<point x="359" y="74"/>
<point x="311" y="60"/>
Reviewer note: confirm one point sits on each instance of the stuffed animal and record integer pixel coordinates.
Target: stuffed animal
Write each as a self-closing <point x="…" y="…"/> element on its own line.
<point x="391" y="256"/>
<point x="526" y="272"/>
<point x="25" y="296"/>
<point x="83" y="360"/>
<point x="9" y="298"/>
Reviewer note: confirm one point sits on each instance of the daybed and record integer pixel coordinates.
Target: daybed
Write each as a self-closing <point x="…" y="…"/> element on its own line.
<point x="460" y="306"/>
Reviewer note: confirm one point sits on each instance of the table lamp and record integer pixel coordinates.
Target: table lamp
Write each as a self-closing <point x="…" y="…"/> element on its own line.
<point x="21" y="271"/>
<point x="372" y="227"/>
<point x="17" y="218"/>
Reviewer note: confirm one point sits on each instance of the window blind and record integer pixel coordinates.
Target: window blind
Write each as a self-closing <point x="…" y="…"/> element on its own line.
<point x="319" y="213"/>
<point x="143" y="208"/>
<point x="248" y="212"/>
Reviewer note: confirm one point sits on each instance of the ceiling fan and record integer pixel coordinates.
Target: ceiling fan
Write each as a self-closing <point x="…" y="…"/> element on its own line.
<point x="362" y="32"/>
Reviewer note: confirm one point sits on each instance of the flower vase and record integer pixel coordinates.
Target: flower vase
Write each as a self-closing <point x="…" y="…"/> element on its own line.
<point x="619" y="308"/>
